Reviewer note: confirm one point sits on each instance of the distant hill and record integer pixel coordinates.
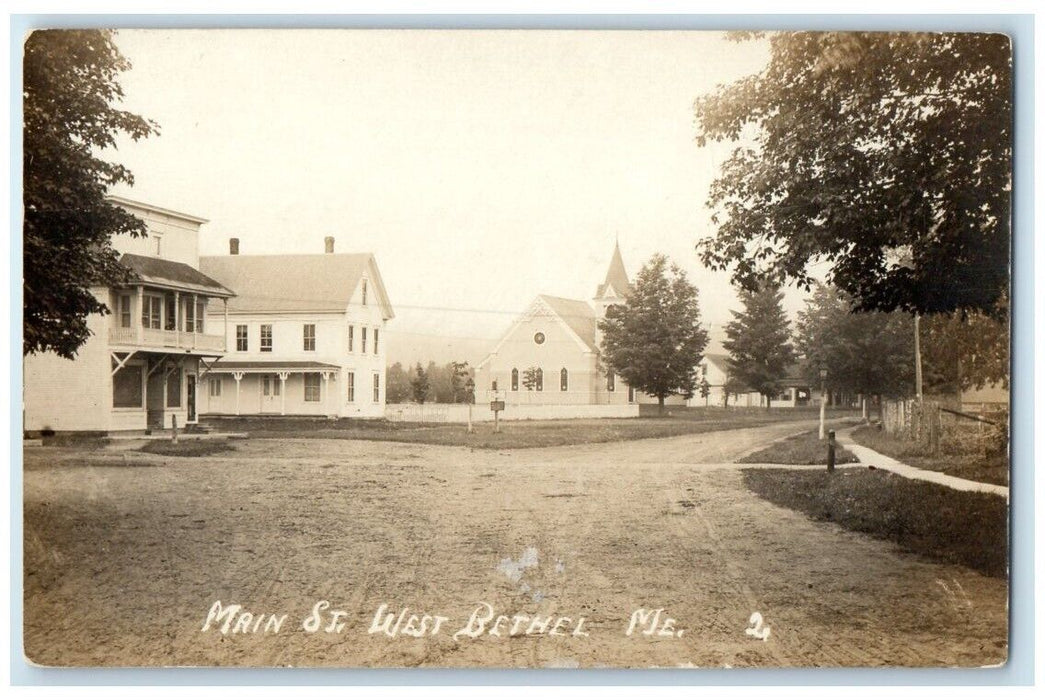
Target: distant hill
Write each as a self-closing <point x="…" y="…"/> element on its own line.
<point x="411" y="348"/>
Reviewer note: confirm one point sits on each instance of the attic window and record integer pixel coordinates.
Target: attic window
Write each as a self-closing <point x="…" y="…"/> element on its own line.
<point x="364" y="293"/>
<point x="538" y="338"/>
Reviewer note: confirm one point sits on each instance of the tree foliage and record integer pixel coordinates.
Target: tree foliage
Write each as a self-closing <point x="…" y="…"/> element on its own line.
<point x="447" y="383"/>
<point x="869" y="353"/>
<point x="887" y="155"/>
<point x="758" y="340"/>
<point x="533" y="378"/>
<point x="397" y="384"/>
<point x="654" y="340"/>
<point x="69" y="89"/>
<point x="965" y="352"/>
<point x="419" y="385"/>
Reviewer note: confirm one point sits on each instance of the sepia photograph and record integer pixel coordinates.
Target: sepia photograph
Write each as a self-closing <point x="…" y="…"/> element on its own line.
<point x="516" y="348"/>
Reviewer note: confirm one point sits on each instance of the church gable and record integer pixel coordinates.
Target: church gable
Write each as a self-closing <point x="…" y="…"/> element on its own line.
<point x="551" y="330"/>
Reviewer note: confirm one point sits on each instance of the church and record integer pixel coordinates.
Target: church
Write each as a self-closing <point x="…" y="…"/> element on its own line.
<point x="550" y="355"/>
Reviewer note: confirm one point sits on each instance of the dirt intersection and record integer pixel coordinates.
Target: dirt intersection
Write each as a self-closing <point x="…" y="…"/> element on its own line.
<point x="125" y="557"/>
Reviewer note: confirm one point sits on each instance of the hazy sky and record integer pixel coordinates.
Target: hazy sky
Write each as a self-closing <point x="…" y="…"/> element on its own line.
<point x="482" y="168"/>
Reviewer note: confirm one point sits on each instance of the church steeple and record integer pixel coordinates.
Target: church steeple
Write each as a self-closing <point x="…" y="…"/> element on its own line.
<point x="616" y="284"/>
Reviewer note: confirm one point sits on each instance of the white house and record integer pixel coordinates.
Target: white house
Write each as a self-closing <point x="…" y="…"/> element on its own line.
<point x="795" y="390"/>
<point x="140" y="367"/>
<point x="305" y="335"/>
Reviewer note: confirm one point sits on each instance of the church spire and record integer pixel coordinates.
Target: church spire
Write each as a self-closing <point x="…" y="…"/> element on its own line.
<point x="616" y="276"/>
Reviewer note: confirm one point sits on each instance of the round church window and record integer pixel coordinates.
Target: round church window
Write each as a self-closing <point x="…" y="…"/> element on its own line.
<point x="538" y="338"/>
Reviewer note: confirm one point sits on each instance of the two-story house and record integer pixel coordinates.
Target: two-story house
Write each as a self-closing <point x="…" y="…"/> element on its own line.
<point x="140" y="367"/>
<point x="305" y="335"/>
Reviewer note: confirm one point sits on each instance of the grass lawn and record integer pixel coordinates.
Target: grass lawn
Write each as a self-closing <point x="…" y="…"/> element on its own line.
<point x="186" y="447"/>
<point x="959" y="527"/>
<point x="514" y="434"/>
<point x="989" y="469"/>
<point x="806" y="448"/>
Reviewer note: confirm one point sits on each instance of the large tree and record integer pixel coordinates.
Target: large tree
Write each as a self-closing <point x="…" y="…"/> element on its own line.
<point x="655" y="340"/>
<point x="758" y="340"/>
<point x="887" y="155"/>
<point x="69" y="89"/>
<point x="867" y="353"/>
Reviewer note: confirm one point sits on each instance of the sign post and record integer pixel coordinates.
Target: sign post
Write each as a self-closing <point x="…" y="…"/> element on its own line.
<point x="496" y="406"/>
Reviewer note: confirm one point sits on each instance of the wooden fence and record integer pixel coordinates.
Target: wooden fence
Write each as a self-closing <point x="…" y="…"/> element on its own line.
<point x="947" y="428"/>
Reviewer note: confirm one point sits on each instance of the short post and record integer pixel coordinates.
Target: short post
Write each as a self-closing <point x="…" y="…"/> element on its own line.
<point x="496" y="406"/>
<point x="174" y="428"/>
<point x="830" y="450"/>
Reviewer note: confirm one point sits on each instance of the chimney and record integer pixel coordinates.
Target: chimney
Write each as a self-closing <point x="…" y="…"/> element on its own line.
<point x="329" y="242"/>
<point x="233" y="246"/>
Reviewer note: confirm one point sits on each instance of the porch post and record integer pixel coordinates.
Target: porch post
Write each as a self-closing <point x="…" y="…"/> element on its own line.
<point x="141" y="313"/>
<point x="283" y="393"/>
<point x="195" y="321"/>
<point x="326" y="391"/>
<point x="237" y="376"/>
<point x="177" y="319"/>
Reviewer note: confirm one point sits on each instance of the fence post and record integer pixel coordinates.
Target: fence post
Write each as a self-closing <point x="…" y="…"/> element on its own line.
<point x="174" y="429"/>
<point x="830" y="450"/>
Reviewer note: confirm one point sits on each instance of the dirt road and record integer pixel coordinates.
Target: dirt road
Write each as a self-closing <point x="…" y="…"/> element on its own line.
<point x="125" y="556"/>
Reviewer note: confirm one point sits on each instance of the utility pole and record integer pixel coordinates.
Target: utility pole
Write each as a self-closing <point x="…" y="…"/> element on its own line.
<point x="917" y="358"/>
<point x="823" y="399"/>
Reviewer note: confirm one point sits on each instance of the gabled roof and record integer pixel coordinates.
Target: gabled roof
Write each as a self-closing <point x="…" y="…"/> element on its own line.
<point x="171" y="274"/>
<point x="578" y="315"/>
<point x="616" y="276"/>
<point x="282" y="283"/>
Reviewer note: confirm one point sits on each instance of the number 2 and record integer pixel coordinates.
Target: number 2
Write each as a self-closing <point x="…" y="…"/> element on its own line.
<point x="756" y="629"/>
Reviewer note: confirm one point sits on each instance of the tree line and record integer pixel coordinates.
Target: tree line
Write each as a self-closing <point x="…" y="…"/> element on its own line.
<point x="453" y="382"/>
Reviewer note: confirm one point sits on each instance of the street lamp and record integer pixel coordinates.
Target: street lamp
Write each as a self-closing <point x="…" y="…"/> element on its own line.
<point x="823" y="398"/>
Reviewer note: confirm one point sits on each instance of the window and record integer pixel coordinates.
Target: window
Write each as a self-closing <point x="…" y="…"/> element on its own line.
<point x="172" y="313"/>
<point x="266" y="337"/>
<point x="515" y="379"/>
<point x="201" y="308"/>
<point x="377" y="387"/>
<point x="362" y="339"/>
<point x="241" y="338"/>
<point x="350" y="382"/>
<point x="310" y="337"/>
<point x="194" y="317"/>
<point x="364" y="296"/>
<point x="174" y="389"/>
<point x="151" y="311"/>
<point x="351" y="338"/>
<point x="493" y="385"/>
<point x="127" y="387"/>
<point x="564" y="380"/>
<point x="125" y="310"/>
<point x="375" y="340"/>
<point x="611" y="381"/>
<point x="538" y="338"/>
<point x="540" y="379"/>
<point x="215" y="387"/>
<point x="157" y="245"/>
<point x="311" y="386"/>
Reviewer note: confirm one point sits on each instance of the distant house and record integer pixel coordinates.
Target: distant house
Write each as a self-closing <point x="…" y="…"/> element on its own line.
<point x="558" y="340"/>
<point x="141" y="365"/>
<point x="305" y="335"/>
<point x="795" y="389"/>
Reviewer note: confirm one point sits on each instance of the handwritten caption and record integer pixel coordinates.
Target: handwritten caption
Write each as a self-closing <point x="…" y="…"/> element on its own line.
<point x="483" y="621"/>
